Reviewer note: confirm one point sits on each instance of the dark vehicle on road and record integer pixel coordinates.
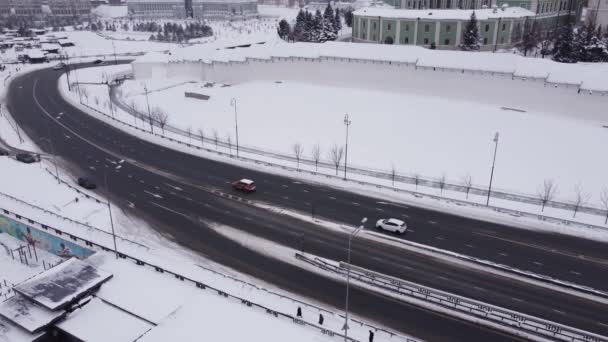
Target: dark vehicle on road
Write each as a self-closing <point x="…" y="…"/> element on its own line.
<point x="245" y="185"/>
<point x="98" y="62"/>
<point x="26" y="158"/>
<point x="59" y="66"/>
<point x="86" y="183"/>
<point x="3" y="152"/>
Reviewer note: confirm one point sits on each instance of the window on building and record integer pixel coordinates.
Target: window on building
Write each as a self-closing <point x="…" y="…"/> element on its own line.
<point x="502" y="40"/>
<point x="406" y="40"/>
<point x="409" y="4"/>
<point x="448" y="4"/>
<point x="487" y="28"/>
<point x="448" y="28"/>
<point x="485" y="41"/>
<point x="388" y="26"/>
<point x="426" y="41"/>
<point x="374" y="25"/>
<point x="504" y="26"/>
<point x="407" y="27"/>
<point x="446" y="42"/>
<point x="427" y="28"/>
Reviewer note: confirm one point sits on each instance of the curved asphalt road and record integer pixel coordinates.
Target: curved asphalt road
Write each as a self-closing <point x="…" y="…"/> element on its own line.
<point x="180" y="213"/>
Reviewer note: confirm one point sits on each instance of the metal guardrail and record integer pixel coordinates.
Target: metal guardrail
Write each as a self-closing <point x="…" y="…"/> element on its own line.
<point x="385" y="175"/>
<point x="204" y="286"/>
<point x="482" y="311"/>
<point x="512" y="212"/>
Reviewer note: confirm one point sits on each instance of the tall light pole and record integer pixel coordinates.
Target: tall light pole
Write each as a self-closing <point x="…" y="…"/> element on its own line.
<point x="114" y="48"/>
<point x="350" y="239"/>
<point x="105" y="178"/>
<point x="347" y="123"/>
<point x="492" y="172"/>
<point x="148" y="103"/>
<point x="236" y="124"/>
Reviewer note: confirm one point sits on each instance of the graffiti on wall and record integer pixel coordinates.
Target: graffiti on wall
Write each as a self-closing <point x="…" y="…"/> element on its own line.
<point x="42" y="240"/>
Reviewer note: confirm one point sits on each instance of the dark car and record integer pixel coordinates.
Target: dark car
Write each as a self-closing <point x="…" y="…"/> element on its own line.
<point x="26" y="158"/>
<point x="3" y="152"/>
<point x="98" y="61"/>
<point x="86" y="183"/>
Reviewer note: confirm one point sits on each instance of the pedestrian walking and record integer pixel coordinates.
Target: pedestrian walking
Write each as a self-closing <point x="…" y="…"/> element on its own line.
<point x="299" y="313"/>
<point x="321" y="319"/>
<point x="371" y="336"/>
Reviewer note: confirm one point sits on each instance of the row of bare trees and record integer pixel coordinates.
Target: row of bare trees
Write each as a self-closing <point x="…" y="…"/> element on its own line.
<point x="548" y="190"/>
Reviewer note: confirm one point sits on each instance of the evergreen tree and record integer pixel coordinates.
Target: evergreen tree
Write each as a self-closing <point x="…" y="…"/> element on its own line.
<point x="563" y="47"/>
<point x="317" y="27"/>
<point x="348" y="17"/>
<point x="300" y="26"/>
<point x="284" y="30"/>
<point x="470" y="37"/>
<point x="338" y="20"/>
<point x="309" y="27"/>
<point x="329" y="20"/>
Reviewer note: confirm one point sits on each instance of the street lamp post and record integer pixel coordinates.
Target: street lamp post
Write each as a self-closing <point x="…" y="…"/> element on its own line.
<point x="114" y="49"/>
<point x="105" y="178"/>
<point x="236" y="125"/>
<point x="350" y="238"/>
<point x="492" y="172"/>
<point x="347" y="123"/>
<point x="148" y="104"/>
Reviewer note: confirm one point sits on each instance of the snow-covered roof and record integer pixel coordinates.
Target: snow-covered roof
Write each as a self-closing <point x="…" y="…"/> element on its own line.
<point x="35" y="53"/>
<point x="396" y="221"/>
<point x="246" y="181"/>
<point x="444" y="14"/>
<point x="26" y="314"/>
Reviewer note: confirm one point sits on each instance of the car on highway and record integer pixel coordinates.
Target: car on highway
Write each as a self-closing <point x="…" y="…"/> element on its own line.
<point x="59" y="66"/>
<point x="98" y="62"/>
<point x="392" y="225"/>
<point x="87" y="183"/>
<point x="26" y="158"/>
<point x="3" y="152"/>
<point x="245" y="185"/>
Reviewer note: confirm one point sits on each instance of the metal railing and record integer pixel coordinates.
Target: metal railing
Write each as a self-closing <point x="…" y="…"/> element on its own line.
<point x="379" y="174"/>
<point x="509" y="319"/>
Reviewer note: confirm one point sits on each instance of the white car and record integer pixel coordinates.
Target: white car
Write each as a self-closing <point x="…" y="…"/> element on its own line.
<point x="392" y="225"/>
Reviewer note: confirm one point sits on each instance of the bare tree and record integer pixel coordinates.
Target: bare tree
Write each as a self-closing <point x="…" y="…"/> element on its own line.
<point x="316" y="155"/>
<point x="85" y="93"/>
<point x="416" y="180"/>
<point x="546" y="192"/>
<point x="96" y="101"/>
<point x="441" y="182"/>
<point x="467" y="182"/>
<point x="297" y="152"/>
<point x="229" y="141"/>
<point x="604" y="201"/>
<point x="335" y="155"/>
<point x="201" y="134"/>
<point x="215" y="137"/>
<point x="161" y="117"/>
<point x="393" y="173"/>
<point x="580" y="198"/>
<point x="189" y="132"/>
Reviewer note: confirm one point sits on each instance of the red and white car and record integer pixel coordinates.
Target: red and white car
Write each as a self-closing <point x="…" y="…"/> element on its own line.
<point x="245" y="185"/>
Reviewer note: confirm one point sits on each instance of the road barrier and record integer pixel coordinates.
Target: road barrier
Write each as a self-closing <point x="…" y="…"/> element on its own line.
<point x="510" y="320"/>
<point x="203" y="286"/>
<point x="379" y="174"/>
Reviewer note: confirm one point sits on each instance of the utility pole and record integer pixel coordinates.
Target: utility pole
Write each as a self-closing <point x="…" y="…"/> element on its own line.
<point x="236" y="125"/>
<point x="350" y="238"/>
<point x="148" y="103"/>
<point x="105" y="177"/>
<point x="114" y="48"/>
<point x="347" y="123"/>
<point x="492" y="172"/>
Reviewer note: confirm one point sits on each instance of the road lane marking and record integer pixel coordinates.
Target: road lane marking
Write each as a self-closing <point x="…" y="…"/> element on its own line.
<point x="169" y="209"/>
<point x="332" y="198"/>
<point x="355" y="203"/>
<point x="538" y="263"/>
<point x="559" y="311"/>
<point x="503" y="254"/>
<point x="153" y="194"/>
<point x="575" y="273"/>
<point x="469" y="245"/>
<point x="439" y="238"/>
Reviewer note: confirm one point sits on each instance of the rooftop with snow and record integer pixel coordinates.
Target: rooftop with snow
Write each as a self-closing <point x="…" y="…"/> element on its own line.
<point x="455" y="14"/>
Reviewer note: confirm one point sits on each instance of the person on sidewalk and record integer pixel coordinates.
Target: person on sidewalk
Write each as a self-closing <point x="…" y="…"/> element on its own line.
<point x="371" y="336"/>
<point x="321" y="319"/>
<point x="299" y="313"/>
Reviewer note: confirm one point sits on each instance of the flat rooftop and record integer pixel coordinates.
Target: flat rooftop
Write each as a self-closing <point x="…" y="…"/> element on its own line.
<point x="28" y="315"/>
<point x="62" y="284"/>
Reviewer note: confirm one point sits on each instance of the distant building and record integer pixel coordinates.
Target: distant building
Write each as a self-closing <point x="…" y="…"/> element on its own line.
<point x="498" y="28"/>
<point x="202" y="9"/>
<point x="41" y="9"/>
